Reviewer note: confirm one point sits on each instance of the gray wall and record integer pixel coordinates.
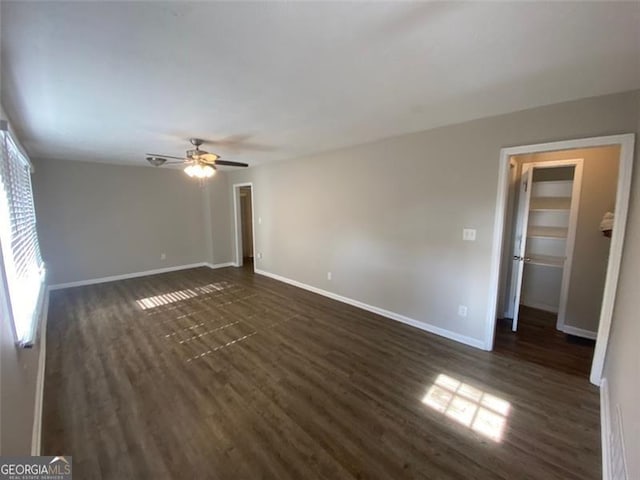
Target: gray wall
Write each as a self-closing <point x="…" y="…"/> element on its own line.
<point x="591" y="249"/>
<point x="386" y="218"/>
<point x="622" y="365"/>
<point x="220" y="221"/>
<point x="97" y="220"/>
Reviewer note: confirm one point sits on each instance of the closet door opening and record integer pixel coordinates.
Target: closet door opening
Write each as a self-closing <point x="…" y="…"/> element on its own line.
<point x="556" y="254"/>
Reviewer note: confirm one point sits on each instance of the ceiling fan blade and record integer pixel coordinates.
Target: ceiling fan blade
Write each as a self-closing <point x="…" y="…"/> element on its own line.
<point x="164" y="156"/>
<point x="231" y="164"/>
<point x="181" y="162"/>
<point x="159" y="161"/>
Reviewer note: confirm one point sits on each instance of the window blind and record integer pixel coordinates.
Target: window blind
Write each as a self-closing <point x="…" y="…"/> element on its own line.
<point x="21" y="260"/>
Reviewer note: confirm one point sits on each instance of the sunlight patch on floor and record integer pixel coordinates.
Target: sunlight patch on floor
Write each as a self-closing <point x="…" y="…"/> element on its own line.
<point x="180" y="295"/>
<point x="220" y="347"/>
<point x="469" y="406"/>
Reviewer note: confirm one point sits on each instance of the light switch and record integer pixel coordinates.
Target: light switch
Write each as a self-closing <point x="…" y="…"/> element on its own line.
<point x="469" y="234"/>
<point x="259" y="220"/>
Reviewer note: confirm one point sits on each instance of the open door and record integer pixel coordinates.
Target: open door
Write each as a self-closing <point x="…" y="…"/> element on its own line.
<point x="520" y="243"/>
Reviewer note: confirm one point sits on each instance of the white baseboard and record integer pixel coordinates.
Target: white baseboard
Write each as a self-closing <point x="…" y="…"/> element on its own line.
<point x="580" y="332"/>
<point x="473" y="342"/>
<point x="36" y="432"/>
<point x="219" y="265"/>
<point x="126" y="276"/>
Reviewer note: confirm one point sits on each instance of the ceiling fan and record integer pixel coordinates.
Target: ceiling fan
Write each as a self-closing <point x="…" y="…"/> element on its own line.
<point x="198" y="163"/>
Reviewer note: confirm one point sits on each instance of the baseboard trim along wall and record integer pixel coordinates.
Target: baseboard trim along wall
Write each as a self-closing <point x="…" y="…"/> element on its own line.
<point x="580" y="332"/>
<point x="473" y="342"/>
<point x="219" y="265"/>
<point x="126" y="276"/>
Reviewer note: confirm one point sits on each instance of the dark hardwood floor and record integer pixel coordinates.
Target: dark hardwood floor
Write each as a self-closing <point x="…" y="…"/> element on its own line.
<point x="538" y="341"/>
<point x="223" y="374"/>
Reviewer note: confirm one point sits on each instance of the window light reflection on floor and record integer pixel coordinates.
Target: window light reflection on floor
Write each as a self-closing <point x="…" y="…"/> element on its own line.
<point x="179" y="295"/>
<point x="470" y="406"/>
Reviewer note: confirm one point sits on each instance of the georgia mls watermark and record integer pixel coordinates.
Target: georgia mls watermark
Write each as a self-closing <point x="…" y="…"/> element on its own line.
<point x="35" y="468"/>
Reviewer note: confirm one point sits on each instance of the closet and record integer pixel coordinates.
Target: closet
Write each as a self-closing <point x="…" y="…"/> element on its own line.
<point x="544" y="236"/>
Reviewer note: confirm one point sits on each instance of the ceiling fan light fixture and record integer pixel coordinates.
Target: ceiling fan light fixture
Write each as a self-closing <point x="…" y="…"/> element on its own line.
<point x="199" y="170"/>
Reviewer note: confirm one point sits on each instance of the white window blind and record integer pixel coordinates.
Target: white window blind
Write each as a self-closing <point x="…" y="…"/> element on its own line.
<point x="21" y="260"/>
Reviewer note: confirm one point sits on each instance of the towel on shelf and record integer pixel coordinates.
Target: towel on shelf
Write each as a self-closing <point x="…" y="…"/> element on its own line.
<point x="607" y="222"/>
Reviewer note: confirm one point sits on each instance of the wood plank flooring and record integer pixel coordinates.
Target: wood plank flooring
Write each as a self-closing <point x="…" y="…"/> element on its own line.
<point x="538" y="341"/>
<point x="222" y="374"/>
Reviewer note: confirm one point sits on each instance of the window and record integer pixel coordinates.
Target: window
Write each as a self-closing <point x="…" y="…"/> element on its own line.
<point x="22" y="266"/>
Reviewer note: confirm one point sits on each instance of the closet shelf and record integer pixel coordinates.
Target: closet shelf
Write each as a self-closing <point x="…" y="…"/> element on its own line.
<point x="547" y="232"/>
<point x="550" y="203"/>
<point x="545" y="260"/>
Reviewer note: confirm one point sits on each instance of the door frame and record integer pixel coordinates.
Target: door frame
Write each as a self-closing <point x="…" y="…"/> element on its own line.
<point x="626" y="144"/>
<point x="237" y="223"/>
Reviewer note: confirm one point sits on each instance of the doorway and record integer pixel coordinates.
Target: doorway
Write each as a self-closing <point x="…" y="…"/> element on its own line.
<point x="244" y="225"/>
<point x="623" y="146"/>
<point x="537" y="264"/>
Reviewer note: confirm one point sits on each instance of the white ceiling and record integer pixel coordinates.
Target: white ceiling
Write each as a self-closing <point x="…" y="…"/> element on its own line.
<point x="110" y="81"/>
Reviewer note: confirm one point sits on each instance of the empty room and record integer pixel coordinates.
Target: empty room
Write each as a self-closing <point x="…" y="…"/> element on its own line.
<point x="304" y="240"/>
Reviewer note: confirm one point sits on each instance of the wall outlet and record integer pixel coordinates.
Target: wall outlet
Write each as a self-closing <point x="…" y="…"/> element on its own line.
<point x="259" y="255"/>
<point x="163" y="256"/>
<point x="462" y="310"/>
<point x="469" y="234"/>
<point x="328" y="275"/>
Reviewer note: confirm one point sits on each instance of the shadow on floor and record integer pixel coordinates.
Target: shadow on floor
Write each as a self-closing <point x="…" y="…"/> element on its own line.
<point x="538" y="341"/>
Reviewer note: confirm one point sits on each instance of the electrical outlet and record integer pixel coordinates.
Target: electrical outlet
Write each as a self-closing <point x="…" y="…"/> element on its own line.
<point x="462" y="310"/>
<point x="469" y="234"/>
<point x="328" y="275"/>
<point x="163" y="256"/>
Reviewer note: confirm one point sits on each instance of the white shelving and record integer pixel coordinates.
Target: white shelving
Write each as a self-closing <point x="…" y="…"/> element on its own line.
<point x="559" y="233"/>
<point x="550" y="204"/>
<point x="544" y="231"/>
<point x="552" y="188"/>
<point x="549" y="210"/>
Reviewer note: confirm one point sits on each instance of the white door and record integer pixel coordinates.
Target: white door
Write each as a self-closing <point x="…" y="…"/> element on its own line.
<point x="520" y="243"/>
